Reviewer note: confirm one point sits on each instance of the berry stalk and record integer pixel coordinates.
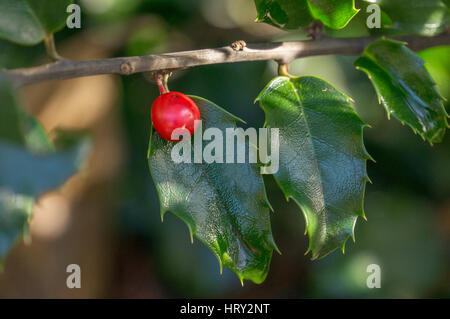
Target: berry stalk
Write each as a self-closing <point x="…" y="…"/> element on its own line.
<point x="159" y="81"/>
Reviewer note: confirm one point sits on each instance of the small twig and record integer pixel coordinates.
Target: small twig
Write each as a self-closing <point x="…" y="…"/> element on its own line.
<point x="283" y="52"/>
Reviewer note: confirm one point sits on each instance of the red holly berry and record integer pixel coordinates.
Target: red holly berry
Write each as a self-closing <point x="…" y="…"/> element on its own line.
<point x="174" y="110"/>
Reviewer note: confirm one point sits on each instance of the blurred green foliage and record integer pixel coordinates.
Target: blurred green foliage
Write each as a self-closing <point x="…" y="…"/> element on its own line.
<point x="29" y="166"/>
<point x="29" y="22"/>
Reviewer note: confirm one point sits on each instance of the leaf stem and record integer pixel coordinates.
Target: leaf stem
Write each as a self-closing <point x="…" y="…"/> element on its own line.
<point x="283" y="70"/>
<point x="50" y="47"/>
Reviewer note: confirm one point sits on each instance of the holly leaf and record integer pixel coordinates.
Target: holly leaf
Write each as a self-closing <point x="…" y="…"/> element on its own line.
<point x="335" y="14"/>
<point x="29" y="162"/>
<point x="29" y="165"/>
<point x="283" y="14"/>
<point x="15" y="212"/>
<point x="437" y="64"/>
<point x="25" y="173"/>
<point x="405" y="88"/>
<point x="224" y="205"/>
<point x="27" y="22"/>
<point x="292" y="14"/>
<point x="18" y="126"/>
<point x="425" y="17"/>
<point x="322" y="156"/>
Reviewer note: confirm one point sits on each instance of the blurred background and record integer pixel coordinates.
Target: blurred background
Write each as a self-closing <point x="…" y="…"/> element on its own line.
<point x="107" y="219"/>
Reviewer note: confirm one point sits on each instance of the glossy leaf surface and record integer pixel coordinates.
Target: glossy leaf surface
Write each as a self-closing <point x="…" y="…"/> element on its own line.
<point x="224" y="205"/>
<point x="292" y="14"/>
<point x="405" y="88"/>
<point x="322" y="156"/>
<point x="425" y="17"/>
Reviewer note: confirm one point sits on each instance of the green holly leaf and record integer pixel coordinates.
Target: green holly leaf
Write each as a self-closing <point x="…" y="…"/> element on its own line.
<point x="25" y="173"/>
<point x="29" y="166"/>
<point x="359" y="25"/>
<point x="28" y="22"/>
<point x="425" y="17"/>
<point x="29" y="162"/>
<point x="405" y="88"/>
<point x="335" y="14"/>
<point x="15" y="212"/>
<point x="322" y="156"/>
<point x="17" y="125"/>
<point x="284" y="14"/>
<point x="292" y="14"/>
<point x="224" y="205"/>
<point x="437" y="64"/>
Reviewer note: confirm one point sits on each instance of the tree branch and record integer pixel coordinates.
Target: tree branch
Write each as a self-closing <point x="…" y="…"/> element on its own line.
<point x="283" y="52"/>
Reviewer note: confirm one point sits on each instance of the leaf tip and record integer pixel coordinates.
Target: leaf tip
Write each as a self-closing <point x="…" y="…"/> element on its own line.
<point x="273" y="245"/>
<point x="307" y="251"/>
<point x="267" y="203"/>
<point x="191" y="232"/>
